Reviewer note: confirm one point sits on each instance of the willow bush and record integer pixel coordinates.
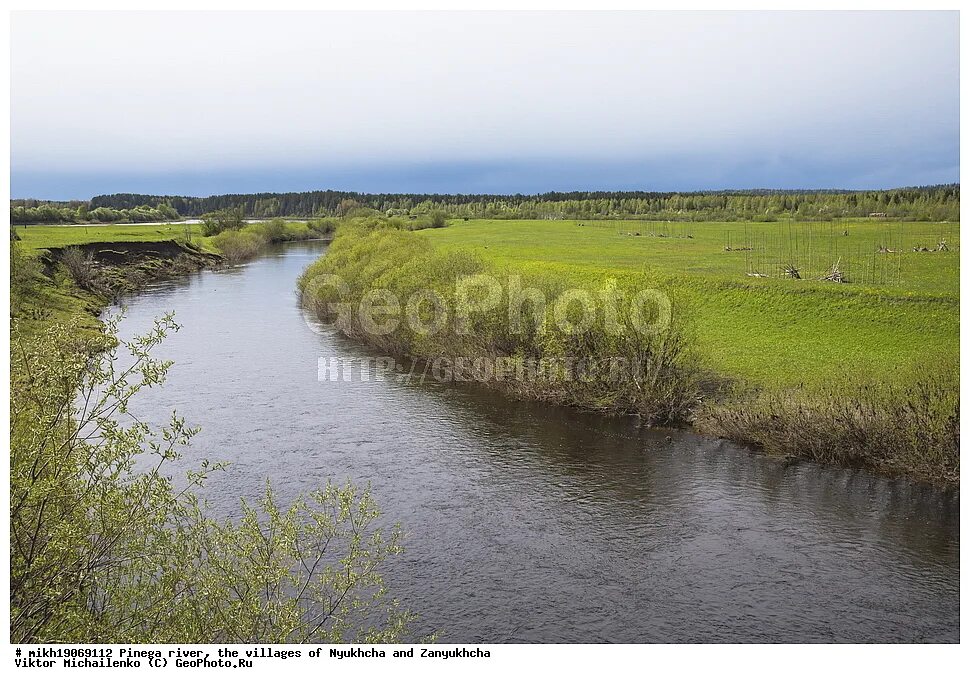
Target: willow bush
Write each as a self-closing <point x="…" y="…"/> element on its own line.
<point x="622" y="367"/>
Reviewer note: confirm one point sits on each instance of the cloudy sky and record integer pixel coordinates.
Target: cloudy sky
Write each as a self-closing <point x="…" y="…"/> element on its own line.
<point x="204" y="103"/>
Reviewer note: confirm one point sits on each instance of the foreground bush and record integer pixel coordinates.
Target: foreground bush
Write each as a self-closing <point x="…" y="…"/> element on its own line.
<point x="105" y="548"/>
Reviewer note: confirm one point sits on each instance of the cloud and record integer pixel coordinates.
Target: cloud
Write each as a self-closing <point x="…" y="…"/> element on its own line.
<point x="364" y="97"/>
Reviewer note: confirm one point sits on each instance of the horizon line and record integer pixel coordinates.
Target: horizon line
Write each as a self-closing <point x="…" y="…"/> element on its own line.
<point x="713" y="191"/>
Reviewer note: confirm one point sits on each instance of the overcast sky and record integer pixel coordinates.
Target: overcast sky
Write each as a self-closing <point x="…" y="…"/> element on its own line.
<point x="203" y="103"/>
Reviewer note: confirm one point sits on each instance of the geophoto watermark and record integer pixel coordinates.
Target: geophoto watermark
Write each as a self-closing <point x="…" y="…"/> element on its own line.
<point x="426" y="311"/>
<point x="484" y="299"/>
<point x="478" y="369"/>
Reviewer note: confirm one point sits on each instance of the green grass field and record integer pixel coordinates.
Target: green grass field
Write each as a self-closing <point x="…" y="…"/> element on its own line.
<point x="42" y="237"/>
<point x="899" y="310"/>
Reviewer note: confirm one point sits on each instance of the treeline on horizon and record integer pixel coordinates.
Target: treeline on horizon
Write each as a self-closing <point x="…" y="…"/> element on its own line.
<point x="928" y="203"/>
<point x="32" y="212"/>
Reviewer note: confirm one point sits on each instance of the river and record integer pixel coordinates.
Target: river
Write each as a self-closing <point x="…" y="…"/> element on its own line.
<point x="529" y="523"/>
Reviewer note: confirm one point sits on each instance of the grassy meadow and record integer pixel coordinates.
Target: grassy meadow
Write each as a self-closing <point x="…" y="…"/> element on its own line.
<point x="233" y="244"/>
<point x="899" y="310"/>
<point x="44" y="237"/>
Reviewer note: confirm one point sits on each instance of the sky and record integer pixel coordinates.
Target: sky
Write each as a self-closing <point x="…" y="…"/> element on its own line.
<point x="199" y="103"/>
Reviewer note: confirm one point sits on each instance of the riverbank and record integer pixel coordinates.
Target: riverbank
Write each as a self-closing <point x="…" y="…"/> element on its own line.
<point x="817" y="390"/>
<point x="75" y="271"/>
<point x="74" y="282"/>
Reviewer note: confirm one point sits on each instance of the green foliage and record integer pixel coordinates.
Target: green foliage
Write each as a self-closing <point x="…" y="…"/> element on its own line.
<point x="322" y="227"/>
<point x="239" y="245"/>
<point x="25" y="212"/>
<point x="273" y="230"/>
<point x="24" y="274"/>
<point x="932" y="203"/>
<point x="215" y="222"/>
<point x="434" y="219"/>
<point x="245" y="243"/>
<point x="369" y="255"/>
<point x="105" y="547"/>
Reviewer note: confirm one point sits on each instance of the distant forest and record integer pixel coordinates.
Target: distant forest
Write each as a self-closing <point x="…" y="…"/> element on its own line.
<point x="929" y="203"/>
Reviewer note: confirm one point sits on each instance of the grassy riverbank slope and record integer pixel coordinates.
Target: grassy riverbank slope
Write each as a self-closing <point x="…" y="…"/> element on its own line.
<point x="861" y="372"/>
<point x="69" y="273"/>
<point x="78" y="268"/>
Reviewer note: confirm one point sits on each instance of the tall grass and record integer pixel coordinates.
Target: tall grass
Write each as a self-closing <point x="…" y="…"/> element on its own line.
<point x="25" y="271"/>
<point x="910" y="426"/>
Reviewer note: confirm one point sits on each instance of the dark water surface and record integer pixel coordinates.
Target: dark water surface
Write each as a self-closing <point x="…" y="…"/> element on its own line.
<point x="531" y="523"/>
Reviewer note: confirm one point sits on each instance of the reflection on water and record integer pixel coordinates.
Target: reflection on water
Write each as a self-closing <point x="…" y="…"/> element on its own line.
<point x="534" y="523"/>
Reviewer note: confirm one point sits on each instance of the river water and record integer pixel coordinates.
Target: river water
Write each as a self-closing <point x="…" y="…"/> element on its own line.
<point x="532" y="523"/>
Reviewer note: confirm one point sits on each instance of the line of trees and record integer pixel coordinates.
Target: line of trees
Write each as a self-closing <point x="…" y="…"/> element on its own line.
<point x="929" y="203"/>
<point x="939" y="203"/>
<point x="32" y="212"/>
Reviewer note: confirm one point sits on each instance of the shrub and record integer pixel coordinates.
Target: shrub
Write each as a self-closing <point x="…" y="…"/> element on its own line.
<point x="910" y="426"/>
<point x="272" y="231"/>
<point x="238" y="245"/>
<point x="215" y="222"/>
<point x="296" y="231"/>
<point x="80" y="266"/>
<point x="435" y="219"/>
<point x="322" y="227"/>
<point x="369" y="256"/>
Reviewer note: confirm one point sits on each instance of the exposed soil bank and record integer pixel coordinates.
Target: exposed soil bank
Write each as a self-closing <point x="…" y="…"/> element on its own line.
<point x="119" y="253"/>
<point x="110" y="268"/>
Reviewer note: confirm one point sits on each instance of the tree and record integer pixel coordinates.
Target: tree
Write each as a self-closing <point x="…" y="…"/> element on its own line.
<point x="346" y="205"/>
<point x="216" y="222"/>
